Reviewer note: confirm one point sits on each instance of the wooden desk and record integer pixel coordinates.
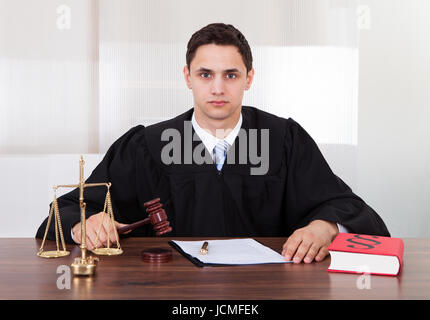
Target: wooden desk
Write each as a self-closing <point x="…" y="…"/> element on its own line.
<point x="23" y="275"/>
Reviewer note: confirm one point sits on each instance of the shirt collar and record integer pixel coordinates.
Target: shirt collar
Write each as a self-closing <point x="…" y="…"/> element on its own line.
<point x="209" y="140"/>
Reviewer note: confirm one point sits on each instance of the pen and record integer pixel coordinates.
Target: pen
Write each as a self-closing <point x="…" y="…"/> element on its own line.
<point x="204" y="249"/>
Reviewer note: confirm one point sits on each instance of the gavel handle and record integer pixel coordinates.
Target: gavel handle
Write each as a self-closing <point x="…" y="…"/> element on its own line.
<point x="133" y="226"/>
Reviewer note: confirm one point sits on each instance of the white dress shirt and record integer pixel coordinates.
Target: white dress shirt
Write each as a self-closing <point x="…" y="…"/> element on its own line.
<point x="209" y="140"/>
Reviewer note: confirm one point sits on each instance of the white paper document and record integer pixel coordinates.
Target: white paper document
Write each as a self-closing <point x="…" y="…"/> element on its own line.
<point x="231" y="251"/>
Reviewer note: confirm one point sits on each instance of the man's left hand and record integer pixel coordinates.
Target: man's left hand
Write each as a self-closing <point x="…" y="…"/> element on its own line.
<point x="310" y="242"/>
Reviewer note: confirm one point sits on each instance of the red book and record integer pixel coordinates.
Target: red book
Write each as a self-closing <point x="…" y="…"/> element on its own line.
<point x="360" y="253"/>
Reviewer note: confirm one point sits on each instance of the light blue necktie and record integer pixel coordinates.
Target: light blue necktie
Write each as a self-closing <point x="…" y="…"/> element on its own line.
<point x="220" y="152"/>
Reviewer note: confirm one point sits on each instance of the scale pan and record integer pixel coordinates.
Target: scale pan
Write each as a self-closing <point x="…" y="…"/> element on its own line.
<point x="53" y="254"/>
<point x="107" y="251"/>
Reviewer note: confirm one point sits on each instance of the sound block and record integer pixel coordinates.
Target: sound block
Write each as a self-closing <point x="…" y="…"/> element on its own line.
<point x="157" y="255"/>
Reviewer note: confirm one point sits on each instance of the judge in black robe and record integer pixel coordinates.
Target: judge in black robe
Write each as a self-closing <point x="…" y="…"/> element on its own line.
<point x="297" y="187"/>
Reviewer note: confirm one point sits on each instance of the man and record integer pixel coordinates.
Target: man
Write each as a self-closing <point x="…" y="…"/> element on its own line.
<point x="289" y="192"/>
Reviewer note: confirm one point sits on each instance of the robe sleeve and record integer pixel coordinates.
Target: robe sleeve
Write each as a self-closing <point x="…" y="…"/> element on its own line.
<point x="118" y="167"/>
<point x="314" y="192"/>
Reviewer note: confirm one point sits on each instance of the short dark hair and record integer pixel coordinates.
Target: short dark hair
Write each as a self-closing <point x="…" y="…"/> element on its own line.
<point x="220" y="34"/>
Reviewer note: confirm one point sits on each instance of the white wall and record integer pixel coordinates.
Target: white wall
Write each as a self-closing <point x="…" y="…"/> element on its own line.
<point x="394" y="110"/>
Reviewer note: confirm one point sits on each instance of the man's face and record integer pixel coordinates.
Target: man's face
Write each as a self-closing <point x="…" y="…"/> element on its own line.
<point x="218" y="78"/>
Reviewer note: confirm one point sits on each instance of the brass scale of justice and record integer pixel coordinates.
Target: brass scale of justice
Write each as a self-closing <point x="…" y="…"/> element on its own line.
<point x="86" y="265"/>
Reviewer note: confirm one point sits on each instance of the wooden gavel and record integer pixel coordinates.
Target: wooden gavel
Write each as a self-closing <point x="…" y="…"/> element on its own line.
<point x="157" y="217"/>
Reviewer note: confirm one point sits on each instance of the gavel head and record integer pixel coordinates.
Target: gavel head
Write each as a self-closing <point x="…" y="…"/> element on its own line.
<point x="158" y="217"/>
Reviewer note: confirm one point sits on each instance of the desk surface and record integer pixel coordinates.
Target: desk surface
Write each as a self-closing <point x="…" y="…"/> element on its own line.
<point x="23" y="275"/>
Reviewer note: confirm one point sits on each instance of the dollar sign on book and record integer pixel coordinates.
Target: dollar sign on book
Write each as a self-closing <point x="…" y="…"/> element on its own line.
<point x="366" y="245"/>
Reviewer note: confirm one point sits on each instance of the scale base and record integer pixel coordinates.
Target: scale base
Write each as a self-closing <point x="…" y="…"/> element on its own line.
<point x="53" y="254"/>
<point x="85" y="267"/>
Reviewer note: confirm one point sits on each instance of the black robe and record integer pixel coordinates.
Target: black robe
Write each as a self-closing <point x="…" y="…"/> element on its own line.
<point x="299" y="186"/>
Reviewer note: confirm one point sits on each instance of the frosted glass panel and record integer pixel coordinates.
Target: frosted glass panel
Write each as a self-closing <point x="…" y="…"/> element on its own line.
<point x="139" y="84"/>
<point x="305" y="57"/>
<point x="48" y="76"/>
<point x="77" y="74"/>
<point x="315" y="85"/>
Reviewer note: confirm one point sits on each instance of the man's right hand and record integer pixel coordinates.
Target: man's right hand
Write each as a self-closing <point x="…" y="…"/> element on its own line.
<point x="93" y="226"/>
